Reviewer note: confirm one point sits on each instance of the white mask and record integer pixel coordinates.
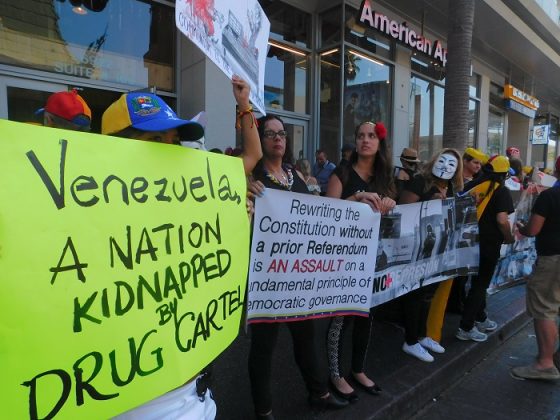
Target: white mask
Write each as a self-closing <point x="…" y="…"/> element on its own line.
<point x="445" y="166"/>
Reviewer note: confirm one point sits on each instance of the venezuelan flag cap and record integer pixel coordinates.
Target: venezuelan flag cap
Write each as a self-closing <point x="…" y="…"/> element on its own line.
<point x="69" y="106"/>
<point x="147" y="112"/>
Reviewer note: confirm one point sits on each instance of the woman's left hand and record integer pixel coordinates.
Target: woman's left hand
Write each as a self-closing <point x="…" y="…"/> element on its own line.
<point x="241" y="91"/>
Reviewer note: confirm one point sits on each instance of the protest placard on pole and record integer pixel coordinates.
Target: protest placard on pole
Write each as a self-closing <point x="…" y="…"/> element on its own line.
<point x="310" y="257"/>
<point x="123" y="269"/>
<point x="234" y="35"/>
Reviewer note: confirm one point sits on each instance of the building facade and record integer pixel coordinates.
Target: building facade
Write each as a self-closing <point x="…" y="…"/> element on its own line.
<point x="330" y="65"/>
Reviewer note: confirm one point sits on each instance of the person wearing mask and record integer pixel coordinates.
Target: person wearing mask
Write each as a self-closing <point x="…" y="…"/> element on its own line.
<point x="493" y="205"/>
<point x="513" y="152"/>
<point x="440" y="179"/>
<point x="275" y="170"/>
<point x="543" y="288"/>
<point x="366" y="179"/>
<point x="66" y="110"/>
<point x="322" y="170"/>
<point x="146" y="117"/>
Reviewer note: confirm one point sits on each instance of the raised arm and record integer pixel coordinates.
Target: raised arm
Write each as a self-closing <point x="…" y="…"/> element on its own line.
<point x="252" y="151"/>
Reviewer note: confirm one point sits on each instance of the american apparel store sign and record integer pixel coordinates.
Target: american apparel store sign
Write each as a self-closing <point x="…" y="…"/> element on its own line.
<point x="401" y="32"/>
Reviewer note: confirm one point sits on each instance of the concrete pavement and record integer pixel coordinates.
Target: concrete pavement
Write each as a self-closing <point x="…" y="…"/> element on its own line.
<point x="408" y="383"/>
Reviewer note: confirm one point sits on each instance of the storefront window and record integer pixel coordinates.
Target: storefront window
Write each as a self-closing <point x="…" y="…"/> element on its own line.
<point x="285" y="80"/>
<point x="330" y="26"/>
<point x="366" y="38"/>
<point x="425" y="117"/>
<point x="127" y="41"/>
<point x="367" y="92"/>
<point x="474" y="86"/>
<point x="288" y="23"/>
<point x="473" y="123"/>
<point x="496" y="143"/>
<point x="330" y="104"/>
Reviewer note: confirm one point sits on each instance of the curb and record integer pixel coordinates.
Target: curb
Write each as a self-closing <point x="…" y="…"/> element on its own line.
<point x="511" y="317"/>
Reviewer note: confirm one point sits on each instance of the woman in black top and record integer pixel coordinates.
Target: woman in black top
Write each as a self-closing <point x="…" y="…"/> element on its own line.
<point x="441" y="178"/>
<point x="275" y="170"/>
<point x="367" y="179"/>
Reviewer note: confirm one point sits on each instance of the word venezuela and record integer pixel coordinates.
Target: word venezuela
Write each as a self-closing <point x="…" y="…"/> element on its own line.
<point x="85" y="189"/>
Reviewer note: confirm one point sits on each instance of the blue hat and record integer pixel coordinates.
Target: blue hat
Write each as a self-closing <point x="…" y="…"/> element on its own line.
<point x="146" y="112"/>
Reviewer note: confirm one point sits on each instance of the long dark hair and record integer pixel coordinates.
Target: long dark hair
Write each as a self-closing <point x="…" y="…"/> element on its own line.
<point x="287" y="159"/>
<point x="382" y="181"/>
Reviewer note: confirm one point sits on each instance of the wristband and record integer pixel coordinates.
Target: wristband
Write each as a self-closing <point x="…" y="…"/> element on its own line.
<point x="241" y="113"/>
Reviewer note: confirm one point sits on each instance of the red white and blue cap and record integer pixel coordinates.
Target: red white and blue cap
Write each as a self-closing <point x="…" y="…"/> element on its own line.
<point x="146" y="112"/>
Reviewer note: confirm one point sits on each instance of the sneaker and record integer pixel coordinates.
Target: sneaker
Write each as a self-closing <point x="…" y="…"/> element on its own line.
<point x="418" y="351"/>
<point x="473" y="335"/>
<point x="486" y="325"/>
<point x="432" y="345"/>
<point x="530" y="372"/>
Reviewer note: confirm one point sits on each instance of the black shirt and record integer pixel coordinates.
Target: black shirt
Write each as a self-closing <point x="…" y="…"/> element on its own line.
<point x="490" y="235"/>
<point x="417" y="184"/>
<point x="298" y="186"/>
<point x="548" y="206"/>
<point x="353" y="183"/>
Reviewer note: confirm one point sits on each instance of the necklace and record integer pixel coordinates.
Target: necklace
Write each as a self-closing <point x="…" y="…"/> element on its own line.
<point x="285" y="182"/>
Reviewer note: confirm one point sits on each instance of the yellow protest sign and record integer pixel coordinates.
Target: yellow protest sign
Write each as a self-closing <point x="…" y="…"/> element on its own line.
<point x="123" y="267"/>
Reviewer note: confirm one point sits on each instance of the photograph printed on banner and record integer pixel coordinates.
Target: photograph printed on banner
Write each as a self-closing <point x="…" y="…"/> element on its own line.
<point x="424" y="243"/>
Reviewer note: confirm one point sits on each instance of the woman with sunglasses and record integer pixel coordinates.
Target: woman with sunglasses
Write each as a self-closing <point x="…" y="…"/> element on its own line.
<point x="275" y="170"/>
<point x="367" y="179"/>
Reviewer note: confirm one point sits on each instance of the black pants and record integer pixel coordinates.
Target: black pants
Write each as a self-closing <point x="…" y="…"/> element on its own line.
<point x="475" y="304"/>
<point x="309" y="352"/>
<point x="416" y="306"/>
<point x="361" y="332"/>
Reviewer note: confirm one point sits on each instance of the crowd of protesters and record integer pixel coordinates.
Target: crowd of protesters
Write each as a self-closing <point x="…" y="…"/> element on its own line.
<point x="365" y="174"/>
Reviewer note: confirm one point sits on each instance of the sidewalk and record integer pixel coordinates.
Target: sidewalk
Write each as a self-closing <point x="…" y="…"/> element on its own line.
<point x="408" y="383"/>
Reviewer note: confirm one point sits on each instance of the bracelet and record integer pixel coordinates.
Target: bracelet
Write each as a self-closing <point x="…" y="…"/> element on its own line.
<point x="240" y="114"/>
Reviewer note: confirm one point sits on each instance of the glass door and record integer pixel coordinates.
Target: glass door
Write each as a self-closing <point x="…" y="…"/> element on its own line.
<point x="297" y="137"/>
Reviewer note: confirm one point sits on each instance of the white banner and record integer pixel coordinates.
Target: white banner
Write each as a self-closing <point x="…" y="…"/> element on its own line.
<point x="423" y="243"/>
<point x="310" y="257"/>
<point x="234" y="35"/>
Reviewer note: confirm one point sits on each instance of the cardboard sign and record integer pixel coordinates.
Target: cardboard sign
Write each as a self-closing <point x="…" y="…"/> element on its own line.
<point x="233" y="35"/>
<point x="123" y="269"/>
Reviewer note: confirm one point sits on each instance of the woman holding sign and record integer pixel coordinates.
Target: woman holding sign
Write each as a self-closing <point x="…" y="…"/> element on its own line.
<point x="442" y="177"/>
<point x="275" y="170"/>
<point x="367" y="179"/>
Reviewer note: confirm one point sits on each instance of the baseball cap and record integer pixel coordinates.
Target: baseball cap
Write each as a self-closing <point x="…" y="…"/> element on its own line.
<point x="410" y="155"/>
<point x="477" y="154"/>
<point x="146" y="112"/>
<point x="69" y="106"/>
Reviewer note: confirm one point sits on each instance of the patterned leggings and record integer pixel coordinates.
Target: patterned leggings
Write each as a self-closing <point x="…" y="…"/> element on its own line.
<point x="360" y="342"/>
